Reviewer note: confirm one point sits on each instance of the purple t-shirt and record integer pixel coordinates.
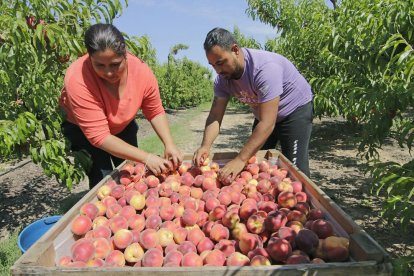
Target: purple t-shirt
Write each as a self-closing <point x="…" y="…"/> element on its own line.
<point x="267" y="75"/>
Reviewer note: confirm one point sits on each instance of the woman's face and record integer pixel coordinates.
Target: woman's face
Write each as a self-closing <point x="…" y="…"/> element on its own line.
<point x="108" y="65"/>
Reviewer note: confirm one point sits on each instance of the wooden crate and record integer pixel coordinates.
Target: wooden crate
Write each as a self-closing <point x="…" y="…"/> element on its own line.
<point x="367" y="257"/>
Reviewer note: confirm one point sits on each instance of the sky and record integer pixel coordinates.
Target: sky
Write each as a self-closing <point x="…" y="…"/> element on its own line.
<point x="170" y="22"/>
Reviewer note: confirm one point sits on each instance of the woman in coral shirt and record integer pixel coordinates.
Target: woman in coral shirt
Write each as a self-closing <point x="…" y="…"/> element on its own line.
<point x="103" y="91"/>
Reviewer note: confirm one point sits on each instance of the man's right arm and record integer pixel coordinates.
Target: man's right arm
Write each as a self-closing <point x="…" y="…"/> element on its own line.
<point x="212" y="129"/>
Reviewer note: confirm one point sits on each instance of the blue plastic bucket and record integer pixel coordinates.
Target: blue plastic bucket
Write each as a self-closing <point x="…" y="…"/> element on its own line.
<point x="34" y="231"/>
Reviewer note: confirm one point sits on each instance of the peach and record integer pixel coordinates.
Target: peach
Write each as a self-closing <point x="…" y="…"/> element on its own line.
<point x="301" y="197"/>
<point x="190" y="217"/>
<point x="90" y="210"/>
<point x="153" y="258"/>
<point x="118" y="191"/>
<point x="134" y="253"/>
<point x="264" y="186"/>
<point x="125" y="179"/>
<point x="115" y="259"/>
<point x="167" y="213"/>
<point x="109" y="200"/>
<point x="205" y="244"/>
<point x="258" y="251"/>
<point x="103" y="191"/>
<point x="307" y="241"/>
<point x="95" y="262"/>
<point x="184" y="167"/>
<point x="255" y="224"/>
<point x="219" y="232"/>
<point x="127" y="211"/>
<point x="237" y="259"/>
<point x="171" y="247"/>
<point x="248" y="242"/>
<point x="178" y="210"/>
<point x="196" y="192"/>
<point x="165" y="237"/>
<point x="253" y="168"/>
<point x="113" y="210"/>
<point x="76" y="264"/>
<point x="186" y="247"/>
<point x="336" y="249"/>
<point x="303" y="207"/>
<point x="174" y="257"/>
<point x="195" y="235"/>
<point x="275" y="220"/>
<point x="187" y="179"/>
<point x="209" y="183"/>
<point x="246" y="210"/>
<point x="239" y="230"/>
<point x="151" y="211"/>
<point x="296" y="215"/>
<point x="180" y="234"/>
<point x="169" y="224"/>
<point x="165" y="189"/>
<point x="266" y="206"/>
<point x="315" y="214"/>
<point x="141" y="187"/>
<point x="230" y="218"/>
<point x="102" y="247"/>
<point x="322" y="228"/>
<point x="215" y="257"/>
<point x="198" y="180"/>
<point x="149" y="239"/>
<point x="136" y="222"/>
<point x="317" y="261"/>
<point x="64" y="260"/>
<point x="83" y="250"/>
<point x="260" y="260"/>
<point x="295" y="225"/>
<point x="217" y="213"/>
<point x="298" y="259"/>
<point x="102" y="232"/>
<point x="184" y="190"/>
<point x="280" y="173"/>
<point x="288" y="234"/>
<point x="123" y="238"/>
<point x="202" y="218"/>
<point x="286" y="199"/>
<point x="297" y="186"/>
<point x="101" y="208"/>
<point x="279" y="249"/>
<point x="153" y="222"/>
<point x="191" y="259"/>
<point x="81" y="224"/>
<point x="214" y="166"/>
<point x="100" y="221"/>
<point x="117" y="223"/>
<point x="152" y="181"/>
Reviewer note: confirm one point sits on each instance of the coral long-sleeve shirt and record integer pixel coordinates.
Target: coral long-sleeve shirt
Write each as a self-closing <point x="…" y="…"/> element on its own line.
<point x="89" y="105"/>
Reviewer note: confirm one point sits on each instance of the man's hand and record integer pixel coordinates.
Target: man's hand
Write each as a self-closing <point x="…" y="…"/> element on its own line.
<point x="229" y="172"/>
<point x="200" y="155"/>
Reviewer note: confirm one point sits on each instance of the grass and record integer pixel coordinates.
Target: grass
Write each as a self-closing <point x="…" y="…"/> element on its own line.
<point x="178" y="130"/>
<point x="9" y="253"/>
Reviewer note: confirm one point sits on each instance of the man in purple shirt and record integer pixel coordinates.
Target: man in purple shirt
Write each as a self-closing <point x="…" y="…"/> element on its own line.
<point x="278" y="95"/>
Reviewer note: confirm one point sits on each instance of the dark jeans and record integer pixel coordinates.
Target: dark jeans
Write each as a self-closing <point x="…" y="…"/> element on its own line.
<point x="293" y="133"/>
<point x="101" y="160"/>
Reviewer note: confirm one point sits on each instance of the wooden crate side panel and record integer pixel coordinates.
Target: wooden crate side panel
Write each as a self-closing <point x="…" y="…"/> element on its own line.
<point x="361" y="268"/>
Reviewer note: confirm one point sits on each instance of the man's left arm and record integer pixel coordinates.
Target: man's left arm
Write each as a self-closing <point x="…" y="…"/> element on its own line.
<point x="267" y="113"/>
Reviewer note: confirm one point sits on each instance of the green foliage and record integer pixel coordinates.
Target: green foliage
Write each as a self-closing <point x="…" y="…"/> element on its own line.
<point x="9" y="253"/>
<point x="182" y="82"/>
<point x="37" y="40"/>
<point x="359" y="59"/>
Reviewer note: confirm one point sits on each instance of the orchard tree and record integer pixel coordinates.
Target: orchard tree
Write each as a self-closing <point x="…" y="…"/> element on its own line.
<point x="359" y="58"/>
<point x="38" y="39"/>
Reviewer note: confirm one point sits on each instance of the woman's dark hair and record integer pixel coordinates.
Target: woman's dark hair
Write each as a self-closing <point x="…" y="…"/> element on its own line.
<point x="219" y="37"/>
<point x="100" y="37"/>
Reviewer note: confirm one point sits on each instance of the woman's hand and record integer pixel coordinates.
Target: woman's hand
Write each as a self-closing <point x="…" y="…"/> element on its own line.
<point x="173" y="154"/>
<point x="157" y="165"/>
<point x="200" y="155"/>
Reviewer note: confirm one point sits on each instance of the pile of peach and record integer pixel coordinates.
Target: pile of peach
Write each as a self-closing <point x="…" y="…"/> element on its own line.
<point x="189" y="218"/>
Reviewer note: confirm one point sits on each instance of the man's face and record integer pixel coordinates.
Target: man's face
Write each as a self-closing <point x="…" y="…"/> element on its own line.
<point x="225" y="63"/>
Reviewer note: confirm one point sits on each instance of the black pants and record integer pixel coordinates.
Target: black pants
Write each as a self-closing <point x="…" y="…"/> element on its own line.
<point x="101" y="160"/>
<point x="293" y="133"/>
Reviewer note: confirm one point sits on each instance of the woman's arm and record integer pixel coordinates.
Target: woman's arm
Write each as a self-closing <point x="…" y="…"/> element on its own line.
<point x="122" y="149"/>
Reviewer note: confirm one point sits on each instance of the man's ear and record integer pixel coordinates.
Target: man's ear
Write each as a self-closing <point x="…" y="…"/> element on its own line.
<point x="235" y="49"/>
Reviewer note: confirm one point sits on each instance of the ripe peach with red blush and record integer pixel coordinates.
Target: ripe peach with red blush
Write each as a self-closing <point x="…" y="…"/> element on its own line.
<point x="81" y="224"/>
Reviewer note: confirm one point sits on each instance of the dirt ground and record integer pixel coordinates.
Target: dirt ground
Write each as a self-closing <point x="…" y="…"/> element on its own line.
<point x="26" y="194"/>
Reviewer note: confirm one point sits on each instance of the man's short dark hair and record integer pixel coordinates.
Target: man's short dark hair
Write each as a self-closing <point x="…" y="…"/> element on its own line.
<point x="219" y="37"/>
